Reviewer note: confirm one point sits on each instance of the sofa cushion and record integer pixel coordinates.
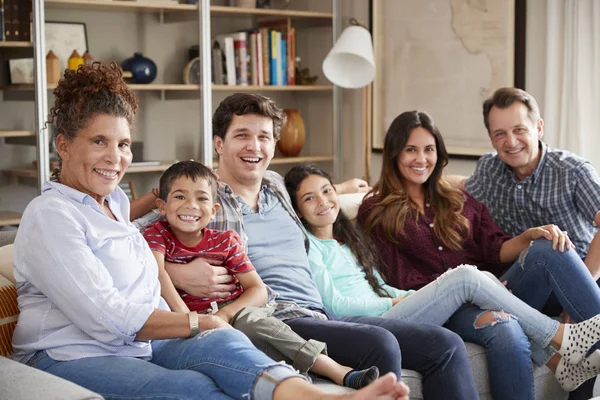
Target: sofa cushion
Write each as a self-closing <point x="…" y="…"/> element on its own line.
<point x="6" y="262"/>
<point x="9" y="312"/>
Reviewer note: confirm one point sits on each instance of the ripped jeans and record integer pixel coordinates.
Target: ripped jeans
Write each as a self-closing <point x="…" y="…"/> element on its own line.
<point x="458" y="298"/>
<point x="219" y="364"/>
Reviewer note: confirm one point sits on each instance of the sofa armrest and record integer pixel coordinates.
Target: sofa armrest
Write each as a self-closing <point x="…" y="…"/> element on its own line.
<point x="18" y="381"/>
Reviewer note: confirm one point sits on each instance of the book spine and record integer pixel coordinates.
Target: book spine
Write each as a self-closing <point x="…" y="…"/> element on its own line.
<point x="259" y="58"/>
<point x="2" y="37"/>
<point x="278" y="70"/>
<point x="273" y="57"/>
<point x="266" y="60"/>
<point x="14" y="20"/>
<point x="25" y="20"/>
<point x="8" y="20"/>
<point x="292" y="56"/>
<point x="253" y="60"/>
<point x="241" y="53"/>
<point x="284" y="62"/>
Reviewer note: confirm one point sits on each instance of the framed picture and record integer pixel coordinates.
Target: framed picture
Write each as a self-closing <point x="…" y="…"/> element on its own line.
<point x="21" y="71"/>
<point x="64" y="37"/>
<point x="444" y="57"/>
<point x="129" y="189"/>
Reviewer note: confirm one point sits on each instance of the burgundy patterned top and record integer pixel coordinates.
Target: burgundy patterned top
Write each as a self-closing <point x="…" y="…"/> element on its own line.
<point x="421" y="257"/>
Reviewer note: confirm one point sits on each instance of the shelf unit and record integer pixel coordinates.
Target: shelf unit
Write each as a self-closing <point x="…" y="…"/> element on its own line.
<point x="202" y="15"/>
<point x="9" y="218"/>
<point x="32" y="173"/>
<point x="5" y="44"/>
<point x="184" y="87"/>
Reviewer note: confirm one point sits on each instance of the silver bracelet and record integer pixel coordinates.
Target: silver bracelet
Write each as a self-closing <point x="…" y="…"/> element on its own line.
<point x="194" y="328"/>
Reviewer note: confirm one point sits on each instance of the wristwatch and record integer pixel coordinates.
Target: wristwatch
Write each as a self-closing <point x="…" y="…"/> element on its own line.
<point x="193" y="318"/>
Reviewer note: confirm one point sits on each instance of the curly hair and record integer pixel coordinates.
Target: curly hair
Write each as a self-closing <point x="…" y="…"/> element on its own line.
<point x="91" y="90"/>
<point x="94" y="89"/>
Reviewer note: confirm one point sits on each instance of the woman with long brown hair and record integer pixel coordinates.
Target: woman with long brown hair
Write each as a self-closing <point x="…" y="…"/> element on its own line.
<point x="422" y="226"/>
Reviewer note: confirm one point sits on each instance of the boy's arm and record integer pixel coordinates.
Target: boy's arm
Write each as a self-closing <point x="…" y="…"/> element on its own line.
<point x="167" y="289"/>
<point x="255" y="294"/>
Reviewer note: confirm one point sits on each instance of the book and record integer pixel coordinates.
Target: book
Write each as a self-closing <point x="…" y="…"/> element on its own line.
<point x="2" y="38"/>
<point x="217" y="64"/>
<point x="226" y="45"/>
<point x="240" y="44"/>
<point x="264" y="36"/>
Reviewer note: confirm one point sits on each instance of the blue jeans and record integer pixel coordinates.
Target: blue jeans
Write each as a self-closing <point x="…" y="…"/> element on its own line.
<point x="436" y="302"/>
<point x="361" y="342"/>
<point x="542" y="271"/>
<point x="509" y="355"/>
<point x="217" y="364"/>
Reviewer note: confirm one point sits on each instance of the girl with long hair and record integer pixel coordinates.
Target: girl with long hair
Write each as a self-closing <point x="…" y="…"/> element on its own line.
<point x="346" y="269"/>
<point x="422" y="226"/>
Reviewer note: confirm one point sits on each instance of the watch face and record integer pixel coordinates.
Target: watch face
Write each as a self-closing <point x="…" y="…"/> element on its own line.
<point x="192" y="72"/>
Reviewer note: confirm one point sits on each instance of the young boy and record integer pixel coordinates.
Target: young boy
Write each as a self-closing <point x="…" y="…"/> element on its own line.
<point x="187" y="190"/>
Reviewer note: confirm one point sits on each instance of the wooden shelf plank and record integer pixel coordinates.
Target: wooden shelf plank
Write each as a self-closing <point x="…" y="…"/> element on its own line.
<point x="302" y="159"/>
<point x="291" y="160"/>
<point x="22" y="172"/>
<point x="15" y="44"/>
<point x="149" y="168"/>
<point x="152" y="6"/>
<point x="30" y="172"/>
<point x="9" y="218"/>
<point x="240" y="11"/>
<point x="104" y="5"/>
<point x="267" y="88"/>
<point x="467" y="151"/>
<point x="7" y="134"/>
<point x="191" y="88"/>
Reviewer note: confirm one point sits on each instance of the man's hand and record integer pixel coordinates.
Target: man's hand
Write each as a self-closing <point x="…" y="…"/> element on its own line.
<point x="354" y="185"/>
<point x="559" y="238"/>
<point x="207" y="322"/>
<point x="566" y="318"/>
<point x="202" y="278"/>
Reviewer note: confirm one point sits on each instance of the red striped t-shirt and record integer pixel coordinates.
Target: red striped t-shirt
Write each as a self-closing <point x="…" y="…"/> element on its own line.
<point x="224" y="246"/>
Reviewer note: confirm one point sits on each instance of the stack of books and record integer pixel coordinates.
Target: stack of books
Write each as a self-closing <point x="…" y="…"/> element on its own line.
<point x="262" y="56"/>
<point x="15" y="20"/>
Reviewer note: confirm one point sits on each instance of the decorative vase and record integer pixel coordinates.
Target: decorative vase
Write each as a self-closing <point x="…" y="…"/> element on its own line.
<point x="292" y="134"/>
<point x="52" y="68"/>
<point x="245" y="3"/>
<point x="74" y="61"/>
<point x="143" y="69"/>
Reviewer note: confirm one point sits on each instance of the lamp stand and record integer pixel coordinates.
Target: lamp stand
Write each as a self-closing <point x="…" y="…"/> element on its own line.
<point x="367" y="129"/>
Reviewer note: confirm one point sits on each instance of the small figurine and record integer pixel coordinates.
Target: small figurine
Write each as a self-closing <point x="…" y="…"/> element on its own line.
<point x="74" y="61"/>
<point x="303" y="75"/>
<point x="52" y="68"/>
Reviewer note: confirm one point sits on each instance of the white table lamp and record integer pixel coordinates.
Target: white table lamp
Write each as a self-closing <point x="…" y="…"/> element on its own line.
<point x="350" y="63"/>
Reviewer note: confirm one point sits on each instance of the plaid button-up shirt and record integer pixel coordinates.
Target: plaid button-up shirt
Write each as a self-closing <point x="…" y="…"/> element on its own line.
<point x="563" y="190"/>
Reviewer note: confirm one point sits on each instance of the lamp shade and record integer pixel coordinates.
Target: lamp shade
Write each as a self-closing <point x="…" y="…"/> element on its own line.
<point x="350" y="63"/>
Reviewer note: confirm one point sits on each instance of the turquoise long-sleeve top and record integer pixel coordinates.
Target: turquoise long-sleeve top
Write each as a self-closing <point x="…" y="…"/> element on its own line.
<point x="342" y="283"/>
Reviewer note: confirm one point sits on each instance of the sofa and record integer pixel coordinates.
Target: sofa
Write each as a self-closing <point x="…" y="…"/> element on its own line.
<point x="20" y="382"/>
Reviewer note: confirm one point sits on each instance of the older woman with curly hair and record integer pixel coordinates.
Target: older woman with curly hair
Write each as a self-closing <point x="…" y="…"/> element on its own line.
<point x="87" y="282"/>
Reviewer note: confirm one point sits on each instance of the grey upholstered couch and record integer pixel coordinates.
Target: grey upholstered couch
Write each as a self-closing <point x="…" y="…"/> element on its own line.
<point x="18" y="381"/>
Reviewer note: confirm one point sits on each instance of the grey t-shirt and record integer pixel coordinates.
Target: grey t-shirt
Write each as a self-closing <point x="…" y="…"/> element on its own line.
<point x="276" y="249"/>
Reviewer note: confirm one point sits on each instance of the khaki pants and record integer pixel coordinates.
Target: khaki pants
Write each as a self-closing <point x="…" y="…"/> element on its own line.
<point x="276" y="339"/>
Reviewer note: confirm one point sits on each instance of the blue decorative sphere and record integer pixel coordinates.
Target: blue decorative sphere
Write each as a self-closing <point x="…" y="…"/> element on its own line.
<point x="142" y="68"/>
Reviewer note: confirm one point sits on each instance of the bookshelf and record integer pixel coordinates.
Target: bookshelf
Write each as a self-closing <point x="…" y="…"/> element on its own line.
<point x="9" y="218"/>
<point x="174" y="116"/>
